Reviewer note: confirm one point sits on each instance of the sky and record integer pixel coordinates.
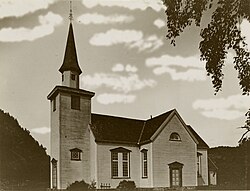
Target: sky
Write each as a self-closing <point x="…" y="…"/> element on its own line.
<point x="126" y="60"/>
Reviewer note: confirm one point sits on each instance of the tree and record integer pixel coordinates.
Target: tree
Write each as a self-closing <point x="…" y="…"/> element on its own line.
<point x="223" y="33"/>
<point x="24" y="164"/>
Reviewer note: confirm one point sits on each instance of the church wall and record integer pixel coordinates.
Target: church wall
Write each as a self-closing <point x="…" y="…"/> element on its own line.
<point x="55" y="137"/>
<point x="165" y="152"/>
<point x="104" y="165"/>
<point x="74" y="134"/>
<point x="204" y="165"/>
<point x="93" y="158"/>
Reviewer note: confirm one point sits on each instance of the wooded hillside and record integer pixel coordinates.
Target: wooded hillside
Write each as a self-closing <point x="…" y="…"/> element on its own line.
<point x="233" y="165"/>
<point x="23" y="162"/>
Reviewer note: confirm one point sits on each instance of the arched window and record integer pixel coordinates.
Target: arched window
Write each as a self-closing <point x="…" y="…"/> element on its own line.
<point x="175" y="137"/>
<point x="144" y="156"/>
<point x="54" y="173"/>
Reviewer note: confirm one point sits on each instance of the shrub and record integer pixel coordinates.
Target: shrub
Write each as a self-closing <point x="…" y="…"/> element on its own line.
<point x="126" y="185"/>
<point x="78" y="186"/>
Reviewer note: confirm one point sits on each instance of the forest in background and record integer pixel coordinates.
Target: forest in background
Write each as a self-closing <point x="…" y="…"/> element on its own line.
<point x="233" y="165"/>
<point x="23" y="162"/>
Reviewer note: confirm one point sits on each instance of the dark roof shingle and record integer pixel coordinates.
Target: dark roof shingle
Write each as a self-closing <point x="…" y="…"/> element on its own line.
<point x="151" y="126"/>
<point x="112" y="129"/>
<point x="115" y="129"/>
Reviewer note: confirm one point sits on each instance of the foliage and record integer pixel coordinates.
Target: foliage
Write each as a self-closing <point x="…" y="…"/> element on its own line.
<point x="126" y="185"/>
<point x="233" y="165"/>
<point x="24" y="163"/>
<point x="80" y="186"/>
<point x="221" y="34"/>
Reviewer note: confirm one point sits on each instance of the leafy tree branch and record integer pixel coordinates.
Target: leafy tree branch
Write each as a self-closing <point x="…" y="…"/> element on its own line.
<point x="222" y="33"/>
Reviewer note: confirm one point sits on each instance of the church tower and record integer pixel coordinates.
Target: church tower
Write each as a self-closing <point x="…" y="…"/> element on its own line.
<point x="70" y="117"/>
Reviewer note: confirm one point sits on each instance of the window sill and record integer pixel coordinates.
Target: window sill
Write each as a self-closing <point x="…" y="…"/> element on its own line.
<point x="76" y="109"/>
<point x="75" y="159"/>
<point x="175" y="140"/>
<point x="144" y="177"/>
<point x="123" y="177"/>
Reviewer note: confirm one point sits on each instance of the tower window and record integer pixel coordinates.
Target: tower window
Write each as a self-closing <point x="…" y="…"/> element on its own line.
<point x="73" y="77"/>
<point x="76" y="154"/>
<point x="75" y="102"/>
<point x="54" y="104"/>
<point x="62" y="77"/>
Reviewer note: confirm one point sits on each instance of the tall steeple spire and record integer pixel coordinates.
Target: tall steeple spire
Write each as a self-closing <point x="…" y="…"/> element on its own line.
<point x="70" y="62"/>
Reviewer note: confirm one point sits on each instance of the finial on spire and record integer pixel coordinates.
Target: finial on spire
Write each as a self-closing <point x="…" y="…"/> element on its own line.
<point x="70" y="11"/>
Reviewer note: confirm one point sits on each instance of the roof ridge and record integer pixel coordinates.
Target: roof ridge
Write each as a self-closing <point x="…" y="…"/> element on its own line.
<point x="212" y="162"/>
<point x="143" y="127"/>
<point x="198" y="137"/>
<point x="120" y="117"/>
<point x="170" y="111"/>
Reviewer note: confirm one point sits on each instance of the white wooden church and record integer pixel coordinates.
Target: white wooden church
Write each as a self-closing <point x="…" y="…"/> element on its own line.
<point x="161" y="151"/>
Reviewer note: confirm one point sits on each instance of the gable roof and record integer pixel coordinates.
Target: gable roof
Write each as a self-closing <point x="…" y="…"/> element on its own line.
<point x="152" y="125"/>
<point x="211" y="165"/>
<point x="202" y="144"/>
<point x="113" y="129"/>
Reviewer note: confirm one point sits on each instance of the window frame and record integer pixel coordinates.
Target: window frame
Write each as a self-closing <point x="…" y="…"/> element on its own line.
<point x="75" y="102"/>
<point x="75" y="154"/>
<point x="175" y="137"/>
<point x="73" y="77"/>
<point x="199" y="169"/>
<point x="114" y="164"/>
<point x="54" y="104"/>
<point x="144" y="159"/>
<point x="120" y="165"/>
<point x="54" y="173"/>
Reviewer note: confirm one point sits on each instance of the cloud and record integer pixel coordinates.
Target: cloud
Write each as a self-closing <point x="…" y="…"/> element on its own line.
<point x="245" y="28"/>
<point x="114" y="36"/>
<point x="159" y="23"/>
<point x="95" y="18"/>
<point x="46" y="27"/>
<point x="151" y="43"/>
<point x="115" y="98"/>
<point x="192" y="66"/>
<point x="230" y="108"/>
<point x="41" y="130"/>
<point x="15" y="8"/>
<point x="156" y="5"/>
<point x="131" y="38"/>
<point x="121" y="68"/>
<point x="117" y="83"/>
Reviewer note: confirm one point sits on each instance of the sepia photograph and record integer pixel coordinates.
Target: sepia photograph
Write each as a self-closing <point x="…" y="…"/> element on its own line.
<point x="124" y="95"/>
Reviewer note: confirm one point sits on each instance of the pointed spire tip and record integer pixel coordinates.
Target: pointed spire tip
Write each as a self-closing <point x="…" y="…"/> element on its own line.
<point x="70" y="11"/>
